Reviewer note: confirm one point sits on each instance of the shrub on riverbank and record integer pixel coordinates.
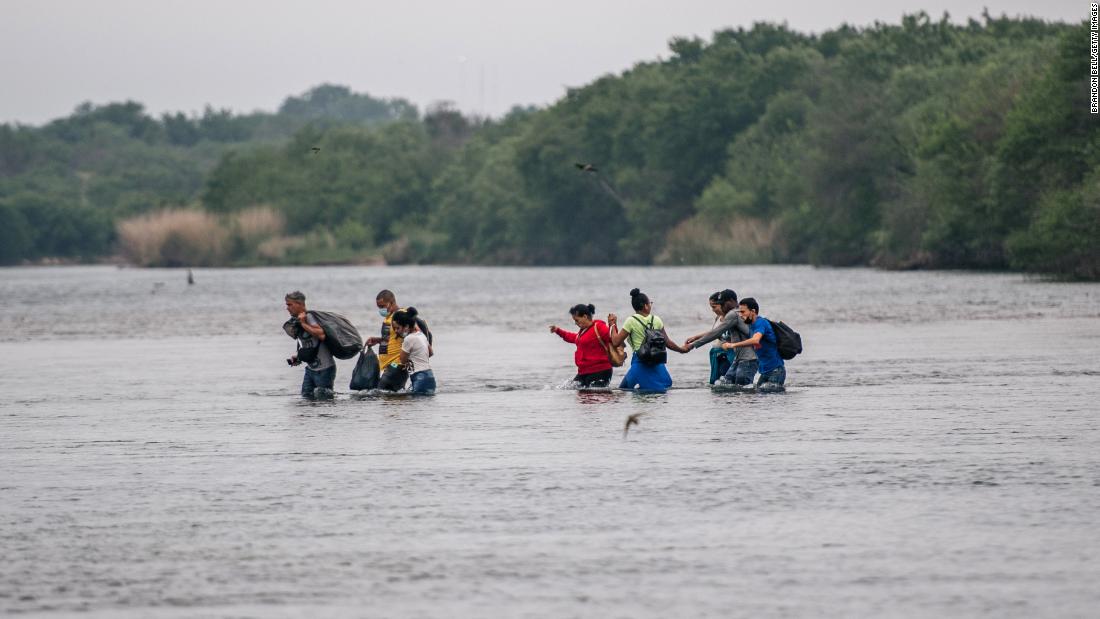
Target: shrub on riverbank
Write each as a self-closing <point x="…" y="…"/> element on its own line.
<point x="254" y="236"/>
<point x="173" y="238"/>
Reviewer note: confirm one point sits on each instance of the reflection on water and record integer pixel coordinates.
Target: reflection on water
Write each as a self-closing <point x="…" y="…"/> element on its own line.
<point x="935" y="452"/>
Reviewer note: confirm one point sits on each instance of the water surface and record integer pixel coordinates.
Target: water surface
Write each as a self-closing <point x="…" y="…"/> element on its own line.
<point x="936" y="452"/>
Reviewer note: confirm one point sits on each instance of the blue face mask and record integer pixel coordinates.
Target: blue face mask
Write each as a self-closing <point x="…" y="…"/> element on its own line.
<point x="383" y="312"/>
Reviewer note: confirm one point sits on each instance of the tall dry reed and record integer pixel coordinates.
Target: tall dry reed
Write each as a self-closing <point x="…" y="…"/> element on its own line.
<point x="255" y="225"/>
<point x="742" y="240"/>
<point x="172" y="238"/>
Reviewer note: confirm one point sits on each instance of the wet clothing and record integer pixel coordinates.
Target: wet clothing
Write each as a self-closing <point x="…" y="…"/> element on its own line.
<point x="321" y="372"/>
<point x="594" y="379"/>
<point x="389" y="349"/>
<point x="645" y="377"/>
<point x="636" y="326"/>
<point x="422" y="383"/>
<point x="317" y="379"/>
<point x="393" y="378"/>
<point x="731" y="329"/>
<point x="767" y="351"/>
<point x="741" y="372"/>
<point x="776" y="377"/>
<point x="324" y="358"/>
<point x="415" y="345"/>
<point x="591" y="356"/>
<point x="720" y="362"/>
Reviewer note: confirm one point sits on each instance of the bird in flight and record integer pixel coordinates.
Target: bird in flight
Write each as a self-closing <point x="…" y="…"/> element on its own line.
<point x="586" y="167"/>
<point x="631" y="421"/>
<point x="316" y="149"/>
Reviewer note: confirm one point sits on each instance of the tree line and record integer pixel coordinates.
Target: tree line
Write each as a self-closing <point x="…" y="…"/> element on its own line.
<point x="921" y="144"/>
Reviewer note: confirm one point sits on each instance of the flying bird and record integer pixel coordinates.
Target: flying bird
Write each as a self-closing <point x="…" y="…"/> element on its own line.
<point x="316" y="149"/>
<point x="586" y="167"/>
<point x="631" y="421"/>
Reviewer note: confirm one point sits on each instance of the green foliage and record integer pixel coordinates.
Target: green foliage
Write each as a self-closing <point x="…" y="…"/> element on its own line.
<point x="330" y="104"/>
<point x="917" y="144"/>
<point x="1064" y="235"/>
<point x="74" y="178"/>
<point x="16" y="237"/>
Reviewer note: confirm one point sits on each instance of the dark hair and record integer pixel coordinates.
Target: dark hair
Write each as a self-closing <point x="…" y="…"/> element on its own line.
<point x="405" y="317"/>
<point x="386" y="296"/>
<point x="714" y="297"/>
<point x="581" y="309"/>
<point x="726" y="296"/>
<point x="296" y="296"/>
<point x="751" y="303"/>
<point x="638" y="300"/>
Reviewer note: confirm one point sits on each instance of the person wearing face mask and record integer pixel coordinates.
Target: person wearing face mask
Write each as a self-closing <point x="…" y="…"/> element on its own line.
<point x="389" y="344"/>
<point x="773" y="372"/>
<point x="742" y="366"/>
<point x="415" y="351"/>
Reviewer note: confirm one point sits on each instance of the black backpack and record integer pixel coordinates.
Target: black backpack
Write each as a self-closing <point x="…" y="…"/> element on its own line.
<point x="653" y="348"/>
<point x="787" y="340"/>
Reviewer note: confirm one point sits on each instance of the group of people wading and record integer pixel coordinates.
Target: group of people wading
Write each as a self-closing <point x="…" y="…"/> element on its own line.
<point x="404" y="347"/>
<point x="743" y="344"/>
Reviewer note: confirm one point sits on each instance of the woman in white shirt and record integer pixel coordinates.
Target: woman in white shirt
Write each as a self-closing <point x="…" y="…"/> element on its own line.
<point x="415" y="352"/>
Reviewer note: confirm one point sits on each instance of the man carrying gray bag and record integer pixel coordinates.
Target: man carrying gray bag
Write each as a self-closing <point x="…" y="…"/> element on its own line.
<point x="321" y="336"/>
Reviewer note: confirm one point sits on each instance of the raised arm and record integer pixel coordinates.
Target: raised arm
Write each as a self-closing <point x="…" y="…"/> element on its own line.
<point x="618" y="336"/>
<point x="314" y="330"/>
<point x="568" y="336"/>
<point x="718" y="330"/>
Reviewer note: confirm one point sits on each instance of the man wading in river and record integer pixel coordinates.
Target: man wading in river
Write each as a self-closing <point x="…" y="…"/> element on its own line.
<point x="320" y="365"/>
<point x="735" y="329"/>
<point x="389" y="344"/>
<point x="773" y="373"/>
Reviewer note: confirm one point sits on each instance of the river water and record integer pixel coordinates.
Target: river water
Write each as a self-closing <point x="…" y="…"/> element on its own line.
<point x="937" y="451"/>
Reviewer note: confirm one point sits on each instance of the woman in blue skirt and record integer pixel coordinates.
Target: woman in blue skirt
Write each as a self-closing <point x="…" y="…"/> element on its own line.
<point x="648" y="375"/>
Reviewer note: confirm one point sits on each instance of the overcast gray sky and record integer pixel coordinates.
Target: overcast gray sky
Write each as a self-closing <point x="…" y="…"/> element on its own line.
<point x="485" y="56"/>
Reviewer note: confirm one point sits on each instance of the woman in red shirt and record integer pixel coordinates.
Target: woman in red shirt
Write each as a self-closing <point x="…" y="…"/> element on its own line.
<point x="593" y="367"/>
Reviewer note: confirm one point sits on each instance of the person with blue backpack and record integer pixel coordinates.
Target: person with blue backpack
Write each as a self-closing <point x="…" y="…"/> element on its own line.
<point x="773" y="373"/>
<point x="645" y="333"/>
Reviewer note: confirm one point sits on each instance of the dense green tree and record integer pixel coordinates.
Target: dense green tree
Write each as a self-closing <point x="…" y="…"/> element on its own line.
<point x="16" y="236"/>
<point x="332" y="104"/>
<point x="922" y="143"/>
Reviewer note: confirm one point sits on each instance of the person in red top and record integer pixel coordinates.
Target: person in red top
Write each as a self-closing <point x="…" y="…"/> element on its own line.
<point x="593" y="367"/>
